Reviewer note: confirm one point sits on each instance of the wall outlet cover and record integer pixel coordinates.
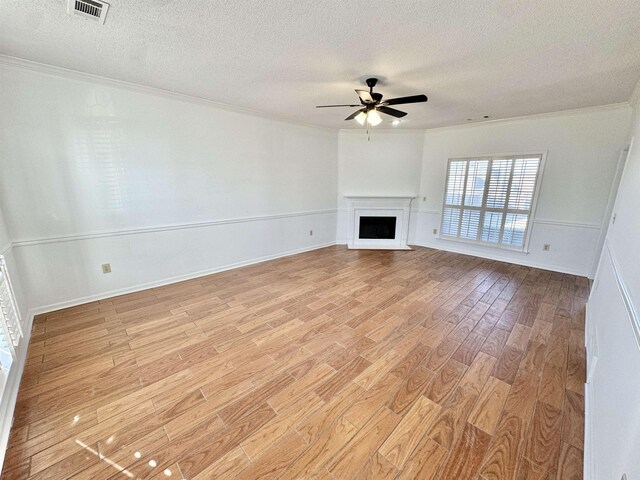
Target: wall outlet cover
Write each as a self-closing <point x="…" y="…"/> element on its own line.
<point x="106" y="268"/>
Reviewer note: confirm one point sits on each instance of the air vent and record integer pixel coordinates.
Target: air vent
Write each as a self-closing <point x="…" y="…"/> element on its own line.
<point x="89" y="9"/>
<point x="478" y="119"/>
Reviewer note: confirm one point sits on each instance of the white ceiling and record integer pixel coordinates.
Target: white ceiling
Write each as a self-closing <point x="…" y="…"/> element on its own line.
<point x="503" y="58"/>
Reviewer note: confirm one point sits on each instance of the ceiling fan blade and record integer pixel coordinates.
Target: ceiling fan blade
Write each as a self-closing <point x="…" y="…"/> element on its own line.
<point x="401" y="100"/>
<point x="327" y="106"/>
<point x="365" y="96"/>
<point x="391" y="111"/>
<point x="354" y="114"/>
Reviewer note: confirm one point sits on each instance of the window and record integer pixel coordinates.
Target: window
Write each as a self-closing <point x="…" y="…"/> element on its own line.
<point x="10" y="325"/>
<point x="490" y="199"/>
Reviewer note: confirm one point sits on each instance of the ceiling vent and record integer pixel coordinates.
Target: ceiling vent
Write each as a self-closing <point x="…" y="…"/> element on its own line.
<point x="478" y="119"/>
<point x="89" y="9"/>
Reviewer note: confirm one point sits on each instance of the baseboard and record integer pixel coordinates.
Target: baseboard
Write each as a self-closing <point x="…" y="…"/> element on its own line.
<point x="592" y="358"/>
<point x="10" y="394"/>
<point x="587" y="465"/>
<point x="500" y="258"/>
<point x="167" y="281"/>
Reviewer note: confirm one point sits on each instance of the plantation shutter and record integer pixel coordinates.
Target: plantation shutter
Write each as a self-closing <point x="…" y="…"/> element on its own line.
<point x="489" y="199"/>
<point x="10" y="324"/>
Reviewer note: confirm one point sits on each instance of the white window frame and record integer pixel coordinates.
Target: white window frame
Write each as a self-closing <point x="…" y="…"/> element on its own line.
<point x="10" y="320"/>
<point x="532" y="211"/>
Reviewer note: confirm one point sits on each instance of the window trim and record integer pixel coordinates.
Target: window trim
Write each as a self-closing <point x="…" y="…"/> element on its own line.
<point x="532" y="212"/>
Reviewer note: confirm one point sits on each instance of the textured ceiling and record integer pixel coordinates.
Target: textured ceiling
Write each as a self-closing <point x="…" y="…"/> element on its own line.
<point x="503" y="58"/>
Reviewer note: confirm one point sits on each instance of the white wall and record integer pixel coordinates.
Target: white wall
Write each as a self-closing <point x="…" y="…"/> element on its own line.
<point x="384" y="163"/>
<point x="5" y="239"/>
<point x="160" y="187"/>
<point x="613" y="336"/>
<point x="583" y="150"/>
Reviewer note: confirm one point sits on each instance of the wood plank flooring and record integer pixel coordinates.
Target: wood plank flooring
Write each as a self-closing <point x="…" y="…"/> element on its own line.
<point x="333" y="364"/>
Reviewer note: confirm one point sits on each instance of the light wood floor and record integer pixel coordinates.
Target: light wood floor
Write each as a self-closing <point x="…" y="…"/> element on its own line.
<point x="333" y="364"/>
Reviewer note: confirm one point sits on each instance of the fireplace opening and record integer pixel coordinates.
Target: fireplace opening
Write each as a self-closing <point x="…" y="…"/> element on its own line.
<point x="378" y="227"/>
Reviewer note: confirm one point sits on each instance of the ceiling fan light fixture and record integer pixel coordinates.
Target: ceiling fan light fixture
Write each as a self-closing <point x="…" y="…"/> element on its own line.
<point x="374" y="118"/>
<point x="361" y="118"/>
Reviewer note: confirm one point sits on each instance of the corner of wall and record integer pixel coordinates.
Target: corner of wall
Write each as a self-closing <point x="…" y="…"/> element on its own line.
<point x="634" y="99"/>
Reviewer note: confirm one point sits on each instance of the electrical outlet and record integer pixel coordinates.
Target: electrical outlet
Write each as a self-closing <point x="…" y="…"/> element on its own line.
<point x="311" y="233"/>
<point x="435" y="231"/>
<point x="546" y="247"/>
<point x="106" y="268"/>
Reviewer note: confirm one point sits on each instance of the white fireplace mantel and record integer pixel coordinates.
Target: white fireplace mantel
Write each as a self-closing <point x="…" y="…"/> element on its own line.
<point x="378" y="206"/>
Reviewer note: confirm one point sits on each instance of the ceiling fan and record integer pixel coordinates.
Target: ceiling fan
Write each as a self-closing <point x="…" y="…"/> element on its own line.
<point x="372" y="105"/>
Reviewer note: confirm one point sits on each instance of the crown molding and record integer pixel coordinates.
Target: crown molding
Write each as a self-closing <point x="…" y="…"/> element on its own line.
<point x="21" y="63"/>
<point x="77" y="75"/>
<point x="558" y="113"/>
<point x="384" y="131"/>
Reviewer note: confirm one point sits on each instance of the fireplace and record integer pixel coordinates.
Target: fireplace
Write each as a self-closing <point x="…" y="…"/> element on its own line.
<point x="377" y="227"/>
<point x="378" y="222"/>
